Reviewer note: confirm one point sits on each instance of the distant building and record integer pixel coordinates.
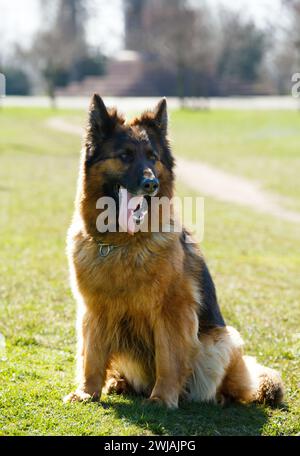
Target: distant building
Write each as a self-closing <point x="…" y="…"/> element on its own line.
<point x="126" y="75"/>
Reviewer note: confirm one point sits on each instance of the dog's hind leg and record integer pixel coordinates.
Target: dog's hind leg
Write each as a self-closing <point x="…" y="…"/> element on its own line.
<point x="216" y="350"/>
<point x="222" y="371"/>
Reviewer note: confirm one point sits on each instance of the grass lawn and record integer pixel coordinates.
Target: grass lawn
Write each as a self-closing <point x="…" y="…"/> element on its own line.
<point x="262" y="145"/>
<point x="254" y="259"/>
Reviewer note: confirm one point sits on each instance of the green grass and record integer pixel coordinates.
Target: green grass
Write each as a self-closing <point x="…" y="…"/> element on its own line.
<point x="254" y="260"/>
<point x="262" y="145"/>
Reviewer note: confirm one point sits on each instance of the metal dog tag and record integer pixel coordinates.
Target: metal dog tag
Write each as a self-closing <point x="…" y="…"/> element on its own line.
<point x="104" y="250"/>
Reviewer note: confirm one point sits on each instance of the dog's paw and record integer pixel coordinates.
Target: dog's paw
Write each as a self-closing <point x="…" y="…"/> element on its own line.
<point x="223" y="400"/>
<point x="156" y="400"/>
<point x="116" y="385"/>
<point x="80" y="396"/>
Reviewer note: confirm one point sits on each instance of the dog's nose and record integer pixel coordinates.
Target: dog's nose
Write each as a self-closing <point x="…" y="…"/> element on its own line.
<point x="150" y="185"/>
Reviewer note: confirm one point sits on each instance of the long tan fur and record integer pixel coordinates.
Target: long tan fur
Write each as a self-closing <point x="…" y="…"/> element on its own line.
<point x="139" y="324"/>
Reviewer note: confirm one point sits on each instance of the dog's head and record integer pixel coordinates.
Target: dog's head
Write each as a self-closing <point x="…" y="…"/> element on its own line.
<point x="132" y="157"/>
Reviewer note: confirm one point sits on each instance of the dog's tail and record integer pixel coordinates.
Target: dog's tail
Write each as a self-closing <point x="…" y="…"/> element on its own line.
<point x="223" y="372"/>
<point x="248" y="381"/>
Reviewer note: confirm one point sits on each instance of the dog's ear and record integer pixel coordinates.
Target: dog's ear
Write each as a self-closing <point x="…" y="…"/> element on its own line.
<point x="160" y="120"/>
<point x="160" y="117"/>
<point x="156" y="119"/>
<point x="99" y="118"/>
<point x="101" y="123"/>
<point x="156" y="124"/>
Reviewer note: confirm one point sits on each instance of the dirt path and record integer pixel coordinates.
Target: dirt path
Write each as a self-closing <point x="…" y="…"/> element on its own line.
<point x="221" y="185"/>
<point x="208" y="180"/>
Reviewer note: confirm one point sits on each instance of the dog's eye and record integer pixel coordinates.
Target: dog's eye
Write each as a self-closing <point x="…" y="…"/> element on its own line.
<point x="151" y="156"/>
<point x="126" y="156"/>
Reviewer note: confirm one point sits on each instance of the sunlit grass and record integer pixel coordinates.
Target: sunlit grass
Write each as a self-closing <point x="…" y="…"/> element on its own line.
<point x="262" y="145"/>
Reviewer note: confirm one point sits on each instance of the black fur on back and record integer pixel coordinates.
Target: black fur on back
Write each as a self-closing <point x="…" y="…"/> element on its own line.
<point x="209" y="314"/>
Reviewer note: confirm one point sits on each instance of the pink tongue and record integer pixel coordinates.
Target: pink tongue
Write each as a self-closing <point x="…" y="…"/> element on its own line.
<point x="128" y="204"/>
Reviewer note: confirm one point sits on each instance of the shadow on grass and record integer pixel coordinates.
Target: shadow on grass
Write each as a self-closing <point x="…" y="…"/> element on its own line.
<point x="190" y="418"/>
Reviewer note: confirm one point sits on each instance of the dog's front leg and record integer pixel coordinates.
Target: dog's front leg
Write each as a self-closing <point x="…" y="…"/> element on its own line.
<point x="175" y="347"/>
<point x="92" y="359"/>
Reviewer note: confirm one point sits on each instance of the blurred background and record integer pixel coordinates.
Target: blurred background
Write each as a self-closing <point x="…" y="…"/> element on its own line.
<point x="178" y="48"/>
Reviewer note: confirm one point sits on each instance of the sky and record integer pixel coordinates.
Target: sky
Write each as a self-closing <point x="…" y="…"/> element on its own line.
<point x="20" y="19"/>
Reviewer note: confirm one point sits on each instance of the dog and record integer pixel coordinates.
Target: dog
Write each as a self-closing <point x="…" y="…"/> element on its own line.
<point x="148" y="317"/>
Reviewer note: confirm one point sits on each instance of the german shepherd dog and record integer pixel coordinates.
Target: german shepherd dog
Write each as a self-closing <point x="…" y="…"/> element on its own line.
<point x="148" y="317"/>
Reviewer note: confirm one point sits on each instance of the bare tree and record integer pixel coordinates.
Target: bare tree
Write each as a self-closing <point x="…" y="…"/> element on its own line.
<point x="57" y="47"/>
<point x="285" y="54"/>
<point x="207" y="56"/>
<point x="241" y="50"/>
<point x="175" y="32"/>
<point x="293" y="6"/>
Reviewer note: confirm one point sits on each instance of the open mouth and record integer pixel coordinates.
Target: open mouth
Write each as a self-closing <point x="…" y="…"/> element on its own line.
<point x="132" y="210"/>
